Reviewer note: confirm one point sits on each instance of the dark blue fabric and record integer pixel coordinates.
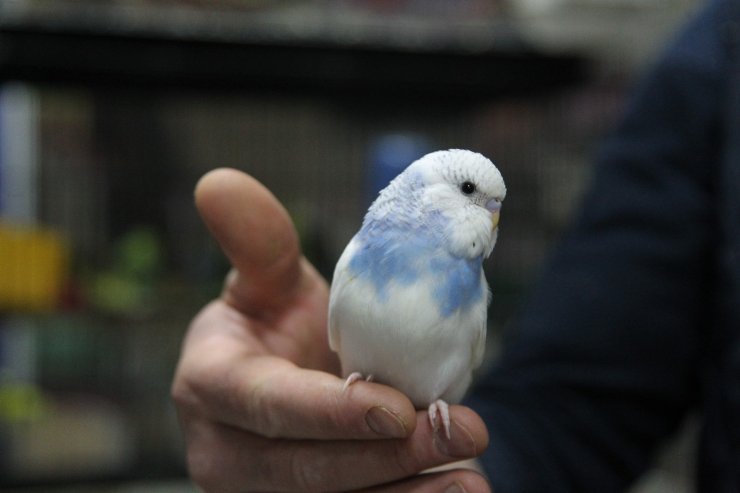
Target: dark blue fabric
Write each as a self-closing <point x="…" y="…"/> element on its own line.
<point x="636" y="320"/>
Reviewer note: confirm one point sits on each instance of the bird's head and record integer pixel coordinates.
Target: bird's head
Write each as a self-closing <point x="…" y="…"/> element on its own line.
<point x="464" y="191"/>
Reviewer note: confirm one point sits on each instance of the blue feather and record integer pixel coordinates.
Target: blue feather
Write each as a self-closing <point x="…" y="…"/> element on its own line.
<point x="389" y="253"/>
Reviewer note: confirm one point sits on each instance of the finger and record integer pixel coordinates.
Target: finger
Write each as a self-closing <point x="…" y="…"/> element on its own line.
<point x="219" y="378"/>
<point x="290" y="402"/>
<point x="454" y="481"/>
<point x="232" y="460"/>
<point x="256" y="234"/>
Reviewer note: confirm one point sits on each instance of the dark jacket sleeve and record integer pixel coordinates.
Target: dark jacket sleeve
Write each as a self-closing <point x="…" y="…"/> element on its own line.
<point x="604" y="362"/>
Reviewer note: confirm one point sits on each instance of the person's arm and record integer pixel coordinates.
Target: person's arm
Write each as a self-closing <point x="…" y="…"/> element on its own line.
<point x="606" y="359"/>
<point x="256" y="388"/>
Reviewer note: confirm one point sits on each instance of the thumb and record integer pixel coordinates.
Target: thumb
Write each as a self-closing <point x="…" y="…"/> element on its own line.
<point x="257" y="235"/>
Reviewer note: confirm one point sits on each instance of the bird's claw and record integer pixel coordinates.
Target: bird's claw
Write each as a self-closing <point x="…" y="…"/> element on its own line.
<point x="354" y="377"/>
<point x="442" y="409"/>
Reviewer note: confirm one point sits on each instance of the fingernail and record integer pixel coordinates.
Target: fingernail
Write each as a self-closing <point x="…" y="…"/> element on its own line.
<point x="455" y="488"/>
<point x="460" y="445"/>
<point x="385" y="423"/>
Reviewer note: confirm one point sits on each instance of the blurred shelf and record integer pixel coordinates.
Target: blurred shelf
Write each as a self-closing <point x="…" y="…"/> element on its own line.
<point x="135" y="482"/>
<point x="247" y="51"/>
<point x="164" y="486"/>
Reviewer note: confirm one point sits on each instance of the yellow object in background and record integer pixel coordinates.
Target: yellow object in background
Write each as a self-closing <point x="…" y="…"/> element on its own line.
<point x="33" y="268"/>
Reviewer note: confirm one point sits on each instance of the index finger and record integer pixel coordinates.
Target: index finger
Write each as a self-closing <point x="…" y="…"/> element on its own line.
<point x="217" y="377"/>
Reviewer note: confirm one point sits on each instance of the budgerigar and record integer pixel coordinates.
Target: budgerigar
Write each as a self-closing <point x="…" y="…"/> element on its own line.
<point x="409" y="298"/>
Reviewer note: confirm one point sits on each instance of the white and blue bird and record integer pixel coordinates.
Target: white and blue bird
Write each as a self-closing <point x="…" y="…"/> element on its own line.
<point x="409" y="298"/>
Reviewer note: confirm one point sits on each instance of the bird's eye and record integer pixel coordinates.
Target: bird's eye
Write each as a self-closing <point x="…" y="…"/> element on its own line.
<point x="468" y="188"/>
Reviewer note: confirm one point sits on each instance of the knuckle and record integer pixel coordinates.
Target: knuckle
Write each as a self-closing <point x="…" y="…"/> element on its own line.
<point x="268" y="410"/>
<point x="407" y="463"/>
<point x="202" y="468"/>
<point x="219" y="461"/>
<point x="308" y="473"/>
<point x="182" y="395"/>
<point x="257" y="408"/>
<point x="303" y="475"/>
<point x="208" y="458"/>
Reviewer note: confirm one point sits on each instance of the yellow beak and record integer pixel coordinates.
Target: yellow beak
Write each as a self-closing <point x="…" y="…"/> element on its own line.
<point x="495" y="216"/>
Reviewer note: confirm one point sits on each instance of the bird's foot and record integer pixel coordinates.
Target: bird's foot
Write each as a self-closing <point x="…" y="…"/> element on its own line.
<point x="439" y="408"/>
<point x="353" y="377"/>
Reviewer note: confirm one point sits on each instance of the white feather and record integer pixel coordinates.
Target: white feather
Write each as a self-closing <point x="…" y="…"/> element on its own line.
<point x="395" y="327"/>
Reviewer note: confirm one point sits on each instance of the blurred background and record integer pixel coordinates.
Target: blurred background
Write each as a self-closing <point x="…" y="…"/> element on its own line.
<point x="111" y="110"/>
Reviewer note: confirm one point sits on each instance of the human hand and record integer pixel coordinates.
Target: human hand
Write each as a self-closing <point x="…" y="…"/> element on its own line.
<point x="256" y="388"/>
